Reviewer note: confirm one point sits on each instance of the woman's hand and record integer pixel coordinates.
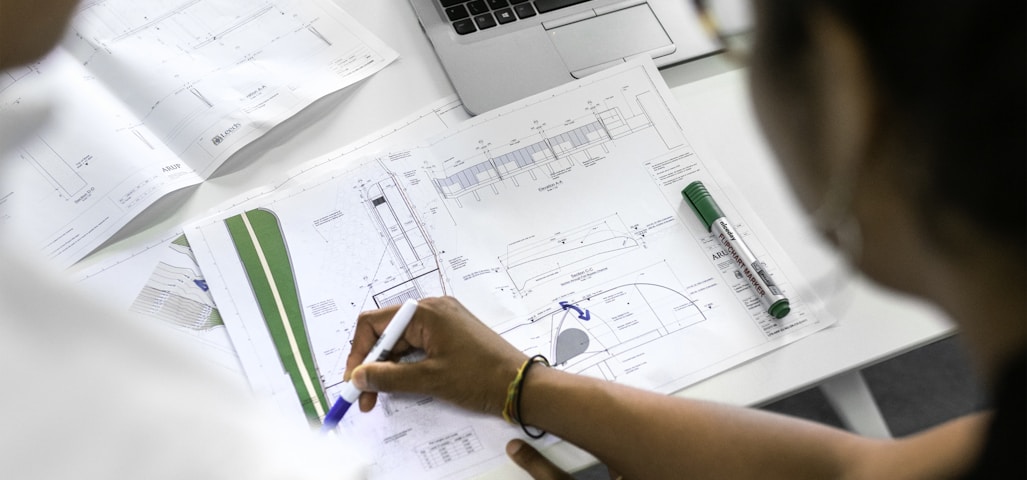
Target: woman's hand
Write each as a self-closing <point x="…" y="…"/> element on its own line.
<point x="465" y="363"/>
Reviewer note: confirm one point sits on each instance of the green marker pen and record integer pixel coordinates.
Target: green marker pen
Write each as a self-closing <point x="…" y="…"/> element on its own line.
<point x="752" y="269"/>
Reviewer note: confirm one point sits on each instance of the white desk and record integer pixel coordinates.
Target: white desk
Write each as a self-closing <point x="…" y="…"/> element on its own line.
<point x="875" y="326"/>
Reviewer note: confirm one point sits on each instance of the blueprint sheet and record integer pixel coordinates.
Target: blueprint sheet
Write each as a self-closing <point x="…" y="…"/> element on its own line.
<point x="161" y="281"/>
<point x="150" y="96"/>
<point x="557" y="220"/>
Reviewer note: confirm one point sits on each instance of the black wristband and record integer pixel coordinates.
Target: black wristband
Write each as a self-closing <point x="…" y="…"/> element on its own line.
<point x="517" y="406"/>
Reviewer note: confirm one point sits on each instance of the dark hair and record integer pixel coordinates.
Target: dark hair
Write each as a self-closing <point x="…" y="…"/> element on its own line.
<point x="953" y="73"/>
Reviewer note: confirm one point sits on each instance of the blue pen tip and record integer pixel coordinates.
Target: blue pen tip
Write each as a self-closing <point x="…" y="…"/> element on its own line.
<point x="335" y="414"/>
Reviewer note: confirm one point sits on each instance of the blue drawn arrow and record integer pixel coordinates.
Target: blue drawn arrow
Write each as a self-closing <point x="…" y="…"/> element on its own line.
<point x="582" y="315"/>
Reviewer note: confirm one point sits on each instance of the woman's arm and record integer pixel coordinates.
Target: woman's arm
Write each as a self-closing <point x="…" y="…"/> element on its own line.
<point x="638" y="433"/>
<point x="645" y="435"/>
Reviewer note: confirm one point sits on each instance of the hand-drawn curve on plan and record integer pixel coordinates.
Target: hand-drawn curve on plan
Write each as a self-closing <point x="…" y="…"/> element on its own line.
<point x="615" y="324"/>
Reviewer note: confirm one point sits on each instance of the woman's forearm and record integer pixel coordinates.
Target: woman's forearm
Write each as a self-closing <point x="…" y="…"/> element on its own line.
<point x="647" y="435"/>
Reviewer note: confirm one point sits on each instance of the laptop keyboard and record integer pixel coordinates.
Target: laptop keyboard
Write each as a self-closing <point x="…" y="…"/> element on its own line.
<point x="469" y="16"/>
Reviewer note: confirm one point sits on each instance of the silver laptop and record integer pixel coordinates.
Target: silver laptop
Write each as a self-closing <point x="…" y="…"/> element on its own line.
<point x="499" y="51"/>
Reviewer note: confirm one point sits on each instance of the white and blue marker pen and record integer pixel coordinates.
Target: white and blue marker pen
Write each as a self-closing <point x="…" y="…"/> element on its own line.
<point x="379" y="352"/>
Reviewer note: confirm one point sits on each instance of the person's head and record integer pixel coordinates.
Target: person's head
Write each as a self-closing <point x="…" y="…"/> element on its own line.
<point x="916" y="107"/>
<point x="29" y="29"/>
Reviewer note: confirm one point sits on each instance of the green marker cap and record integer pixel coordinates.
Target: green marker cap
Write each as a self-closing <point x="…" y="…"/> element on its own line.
<point x="780" y="308"/>
<point x="702" y="204"/>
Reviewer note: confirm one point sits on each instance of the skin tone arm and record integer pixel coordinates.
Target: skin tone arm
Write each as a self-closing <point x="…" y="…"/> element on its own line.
<point x="638" y="433"/>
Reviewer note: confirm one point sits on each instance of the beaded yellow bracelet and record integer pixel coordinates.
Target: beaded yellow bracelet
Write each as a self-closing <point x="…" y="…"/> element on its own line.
<point x="512" y="407"/>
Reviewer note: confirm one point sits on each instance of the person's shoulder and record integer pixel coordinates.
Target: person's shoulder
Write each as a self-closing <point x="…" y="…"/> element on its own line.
<point x="1005" y="445"/>
<point x="103" y="394"/>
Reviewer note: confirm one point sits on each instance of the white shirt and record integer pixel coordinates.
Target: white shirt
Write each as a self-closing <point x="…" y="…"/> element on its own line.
<point x="92" y="393"/>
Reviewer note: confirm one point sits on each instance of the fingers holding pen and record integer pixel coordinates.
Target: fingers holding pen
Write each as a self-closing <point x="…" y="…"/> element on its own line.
<point x="410" y="377"/>
<point x="465" y="362"/>
<point x="369" y="327"/>
<point x="372" y="323"/>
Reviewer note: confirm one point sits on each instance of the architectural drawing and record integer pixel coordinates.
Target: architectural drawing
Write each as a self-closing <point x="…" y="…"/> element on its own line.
<point x="608" y="322"/>
<point x="262" y="248"/>
<point x="407" y="243"/>
<point x="556" y="149"/>
<point x="177" y="296"/>
<point x="529" y="264"/>
<point x="557" y="221"/>
<point x="149" y="97"/>
<point x="54" y="169"/>
<point x="234" y="40"/>
<point x="449" y="448"/>
<point x="405" y="267"/>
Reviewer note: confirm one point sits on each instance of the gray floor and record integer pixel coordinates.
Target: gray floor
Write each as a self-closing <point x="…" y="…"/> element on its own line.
<point x="914" y="391"/>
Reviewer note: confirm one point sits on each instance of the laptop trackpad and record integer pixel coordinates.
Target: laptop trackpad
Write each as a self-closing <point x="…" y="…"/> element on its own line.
<point x="611" y="37"/>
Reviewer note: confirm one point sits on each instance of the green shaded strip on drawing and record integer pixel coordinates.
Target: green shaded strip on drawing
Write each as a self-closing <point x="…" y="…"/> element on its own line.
<point x="271" y="243"/>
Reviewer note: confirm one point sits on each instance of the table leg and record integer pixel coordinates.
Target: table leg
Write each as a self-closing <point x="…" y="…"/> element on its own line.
<point x="852" y="400"/>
